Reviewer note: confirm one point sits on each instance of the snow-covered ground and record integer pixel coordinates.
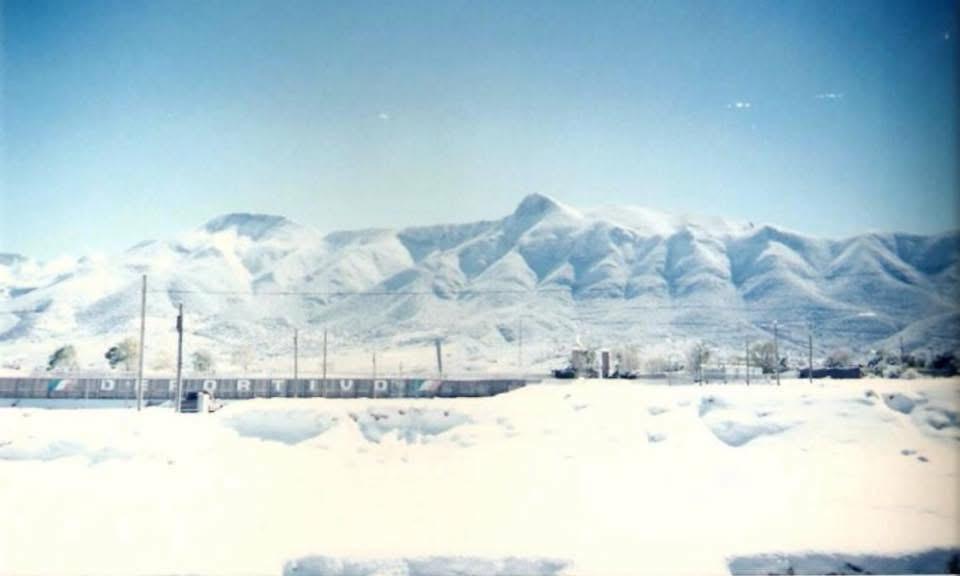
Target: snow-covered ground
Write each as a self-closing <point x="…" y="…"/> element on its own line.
<point x="560" y="478"/>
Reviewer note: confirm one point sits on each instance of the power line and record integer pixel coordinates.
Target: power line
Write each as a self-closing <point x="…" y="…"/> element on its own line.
<point x="356" y="293"/>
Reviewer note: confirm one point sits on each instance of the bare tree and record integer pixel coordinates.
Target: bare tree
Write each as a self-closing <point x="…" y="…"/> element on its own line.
<point x="764" y="355"/>
<point x="838" y="358"/>
<point x="697" y="357"/>
<point x="202" y="361"/>
<point x="242" y="357"/>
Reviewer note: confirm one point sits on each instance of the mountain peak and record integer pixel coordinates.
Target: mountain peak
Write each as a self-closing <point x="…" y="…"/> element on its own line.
<point x="253" y="226"/>
<point x="536" y="204"/>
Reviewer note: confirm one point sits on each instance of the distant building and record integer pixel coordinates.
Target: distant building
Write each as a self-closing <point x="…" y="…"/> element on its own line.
<point x="835" y="373"/>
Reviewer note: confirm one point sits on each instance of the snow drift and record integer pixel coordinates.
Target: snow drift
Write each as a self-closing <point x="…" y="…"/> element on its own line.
<point x="590" y="478"/>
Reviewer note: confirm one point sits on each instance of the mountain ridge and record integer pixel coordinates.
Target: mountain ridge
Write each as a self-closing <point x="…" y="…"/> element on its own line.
<point x="662" y="282"/>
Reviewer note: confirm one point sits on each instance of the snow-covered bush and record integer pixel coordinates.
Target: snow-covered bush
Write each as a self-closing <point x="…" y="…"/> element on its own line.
<point x="63" y="358"/>
<point x="126" y="353"/>
<point x="892" y="371"/>
<point x="839" y="358"/>
<point x="945" y="363"/>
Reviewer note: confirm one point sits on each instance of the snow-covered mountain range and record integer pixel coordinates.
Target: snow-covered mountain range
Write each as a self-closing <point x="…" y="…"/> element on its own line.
<point x="518" y="291"/>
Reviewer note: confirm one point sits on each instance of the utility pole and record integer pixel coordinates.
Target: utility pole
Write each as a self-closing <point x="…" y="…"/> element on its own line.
<point x="810" y="356"/>
<point x="776" y="352"/>
<point x="296" y="360"/>
<point x="324" y="355"/>
<point x="902" y="355"/>
<point x="746" y="355"/>
<point x="143" y="322"/>
<point x="374" y="364"/>
<point x="439" y="358"/>
<point x="699" y="365"/>
<point x="179" y="358"/>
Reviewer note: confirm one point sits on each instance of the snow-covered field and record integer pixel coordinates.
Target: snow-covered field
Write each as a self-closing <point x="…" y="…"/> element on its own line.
<point x="560" y="478"/>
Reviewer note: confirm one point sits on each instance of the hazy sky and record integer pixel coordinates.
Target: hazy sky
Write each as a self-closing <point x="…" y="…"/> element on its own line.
<point x="127" y="120"/>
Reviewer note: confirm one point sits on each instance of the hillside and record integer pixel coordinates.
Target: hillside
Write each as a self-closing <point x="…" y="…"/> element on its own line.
<point x="547" y="273"/>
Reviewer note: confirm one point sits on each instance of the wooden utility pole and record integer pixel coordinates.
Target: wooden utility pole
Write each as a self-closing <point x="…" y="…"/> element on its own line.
<point x="324" y="355"/>
<point x="439" y="358"/>
<point x="746" y="355"/>
<point x="776" y="353"/>
<point x="143" y="322"/>
<point x="296" y="361"/>
<point x="179" y="358"/>
<point x="700" y="362"/>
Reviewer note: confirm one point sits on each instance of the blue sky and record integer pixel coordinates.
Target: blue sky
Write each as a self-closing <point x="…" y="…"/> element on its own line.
<point x="131" y="120"/>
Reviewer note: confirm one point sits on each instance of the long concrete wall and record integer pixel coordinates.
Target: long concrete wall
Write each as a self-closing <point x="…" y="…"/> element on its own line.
<point x="239" y="388"/>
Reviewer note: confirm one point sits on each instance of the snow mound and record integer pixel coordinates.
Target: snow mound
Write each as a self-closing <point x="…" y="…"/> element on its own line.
<point x="410" y="425"/>
<point x="940" y="418"/>
<point x="656" y="437"/>
<point x="43" y="451"/>
<point x="734" y="433"/>
<point x="429" y="566"/>
<point x="899" y="402"/>
<point x="934" y="561"/>
<point x="709" y="404"/>
<point x="291" y="427"/>
<point x="738" y="426"/>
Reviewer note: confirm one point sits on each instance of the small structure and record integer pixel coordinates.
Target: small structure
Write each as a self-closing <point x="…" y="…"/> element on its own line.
<point x="583" y="364"/>
<point x="835" y="373"/>
<point x="604" y="363"/>
<point x="200" y="402"/>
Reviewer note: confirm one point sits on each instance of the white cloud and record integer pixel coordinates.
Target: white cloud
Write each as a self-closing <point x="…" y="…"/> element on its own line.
<point x="739" y="105"/>
<point x="383" y="116"/>
<point x="829" y="96"/>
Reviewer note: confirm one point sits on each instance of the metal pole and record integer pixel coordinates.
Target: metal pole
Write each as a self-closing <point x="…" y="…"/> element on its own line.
<point x="776" y="353"/>
<point x="746" y="351"/>
<point x="179" y="358"/>
<point x="143" y="321"/>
